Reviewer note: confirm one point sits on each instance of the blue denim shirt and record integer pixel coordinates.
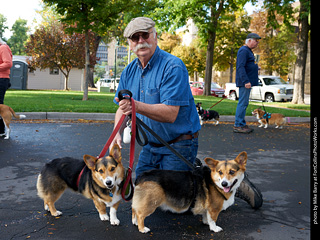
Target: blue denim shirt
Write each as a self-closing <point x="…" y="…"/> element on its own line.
<point x="163" y="80"/>
<point x="246" y="68"/>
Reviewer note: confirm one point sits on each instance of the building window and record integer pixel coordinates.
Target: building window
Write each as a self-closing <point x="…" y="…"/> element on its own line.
<point x="54" y="71"/>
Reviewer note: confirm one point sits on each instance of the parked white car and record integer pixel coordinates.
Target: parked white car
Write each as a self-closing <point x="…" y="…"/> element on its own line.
<point x="270" y="89"/>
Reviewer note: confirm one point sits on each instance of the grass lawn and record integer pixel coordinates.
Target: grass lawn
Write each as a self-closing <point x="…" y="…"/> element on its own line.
<point x="71" y="101"/>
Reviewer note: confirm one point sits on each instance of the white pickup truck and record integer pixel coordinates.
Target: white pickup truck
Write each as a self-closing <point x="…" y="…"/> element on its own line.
<point x="270" y="89"/>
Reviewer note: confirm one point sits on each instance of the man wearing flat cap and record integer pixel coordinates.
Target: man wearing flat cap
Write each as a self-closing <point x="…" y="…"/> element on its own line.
<point x="246" y="77"/>
<point x="159" y="84"/>
<point x="160" y="87"/>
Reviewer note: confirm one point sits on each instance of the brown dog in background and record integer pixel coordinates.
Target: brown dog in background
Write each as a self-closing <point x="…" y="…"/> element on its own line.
<point x="6" y="114"/>
<point x="275" y="119"/>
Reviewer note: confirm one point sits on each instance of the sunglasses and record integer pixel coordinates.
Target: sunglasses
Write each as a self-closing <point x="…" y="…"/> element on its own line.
<point x="135" y="37"/>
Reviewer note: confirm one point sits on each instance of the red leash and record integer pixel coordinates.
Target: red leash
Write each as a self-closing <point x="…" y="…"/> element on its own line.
<point x="128" y="181"/>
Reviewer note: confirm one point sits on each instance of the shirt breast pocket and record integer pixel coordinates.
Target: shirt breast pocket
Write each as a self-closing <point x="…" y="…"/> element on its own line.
<point x="153" y="96"/>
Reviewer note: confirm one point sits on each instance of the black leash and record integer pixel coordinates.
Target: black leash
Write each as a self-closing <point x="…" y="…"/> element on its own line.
<point x="145" y="126"/>
<point x="266" y="115"/>
<point x="127" y="94"/>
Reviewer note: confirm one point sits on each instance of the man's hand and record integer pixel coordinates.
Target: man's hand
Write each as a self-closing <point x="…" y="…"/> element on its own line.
<point x="247" y="85"/>
<point x="125" y="106"/>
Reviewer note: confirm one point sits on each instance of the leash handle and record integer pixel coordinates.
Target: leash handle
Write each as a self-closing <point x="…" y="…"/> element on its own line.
<point x="128" y="185"/>
<point x="124" y="94"/>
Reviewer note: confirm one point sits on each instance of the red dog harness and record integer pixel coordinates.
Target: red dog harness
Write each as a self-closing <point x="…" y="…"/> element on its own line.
<point x="128" y="180"/>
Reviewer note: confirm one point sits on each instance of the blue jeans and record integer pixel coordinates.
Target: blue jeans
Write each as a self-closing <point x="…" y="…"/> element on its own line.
<point x="244" y="94"/>
<point x="162" y="158"/>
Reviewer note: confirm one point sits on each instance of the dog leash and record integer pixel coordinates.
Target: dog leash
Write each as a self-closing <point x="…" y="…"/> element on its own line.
<point x="222" y="99"/>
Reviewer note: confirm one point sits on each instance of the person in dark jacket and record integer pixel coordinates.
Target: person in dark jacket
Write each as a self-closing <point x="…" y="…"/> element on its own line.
<point x="246" y="77"/>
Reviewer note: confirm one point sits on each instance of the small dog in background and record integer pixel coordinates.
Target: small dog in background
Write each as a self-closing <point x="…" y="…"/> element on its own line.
<point x="273" y="119"/>
<point x="6" y="114"/>
<point x="205" y="115"/>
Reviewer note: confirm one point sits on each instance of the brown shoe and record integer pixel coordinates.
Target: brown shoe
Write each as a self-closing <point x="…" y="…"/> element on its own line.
<point x="244" y="129"/>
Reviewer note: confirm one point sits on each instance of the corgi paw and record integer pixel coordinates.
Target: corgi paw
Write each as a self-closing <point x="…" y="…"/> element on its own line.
<point x="46" y="207"/>
<point x="115" y="222"/>
<point x="104" y="217"/>
<point x="134" y="221"/>
<point x="216" y="228"/>
<point x="56" y="214"/>
<point x="144" y="230"/>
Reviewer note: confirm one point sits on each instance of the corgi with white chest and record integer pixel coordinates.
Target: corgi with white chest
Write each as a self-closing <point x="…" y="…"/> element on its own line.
<point x="99" y="179"/>
<point x="273" y="119"/>
<point x="207" y="191"/>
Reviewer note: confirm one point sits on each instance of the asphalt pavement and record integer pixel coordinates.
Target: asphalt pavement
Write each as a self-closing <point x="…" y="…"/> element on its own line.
<point x="278" y="164"/>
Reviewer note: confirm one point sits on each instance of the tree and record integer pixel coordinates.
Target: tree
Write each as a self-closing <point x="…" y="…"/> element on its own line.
<point x="285" y="9"/>
<point x="169" y="41"/>
<point x="302" y="50"/>
<point x="19" y="36"/>
<point x="50" y="47"/>
<point x="98" y="16"/>
<point x="230" y="38"/>
<point x="193" y="56"/>
<point x="276" y="49"/>
<point x="3" y="25"/>
<point x="206" y="15"/>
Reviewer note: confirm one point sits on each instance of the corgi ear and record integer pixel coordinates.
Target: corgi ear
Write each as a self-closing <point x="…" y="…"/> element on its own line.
<point x="116" y="153"/>
<point x="242" y="158"/>
<point x="90" y="161"/>
<point x="211" y="162"/>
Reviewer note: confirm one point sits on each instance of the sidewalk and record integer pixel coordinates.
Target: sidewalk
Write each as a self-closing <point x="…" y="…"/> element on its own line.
<point x="110" y="117"/>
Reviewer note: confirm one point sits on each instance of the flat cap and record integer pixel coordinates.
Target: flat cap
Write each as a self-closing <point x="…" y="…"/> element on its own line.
<point x="139" y="24"/>
<point x="253" y="35"/>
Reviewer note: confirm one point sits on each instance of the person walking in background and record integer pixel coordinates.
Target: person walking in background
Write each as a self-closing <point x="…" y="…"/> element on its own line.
<point x="5" y="65"/>
<point x="246" y="77"/>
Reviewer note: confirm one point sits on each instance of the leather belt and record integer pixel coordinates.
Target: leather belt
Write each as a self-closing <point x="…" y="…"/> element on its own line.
<point x="178" y="139"/>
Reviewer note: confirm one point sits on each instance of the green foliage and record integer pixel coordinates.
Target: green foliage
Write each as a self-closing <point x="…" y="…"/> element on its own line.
<point x="3" y="25"/>
<point x="19" y="36"/>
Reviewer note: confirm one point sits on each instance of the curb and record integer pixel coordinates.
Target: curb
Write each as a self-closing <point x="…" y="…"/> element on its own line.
<point x="110" y="117"/>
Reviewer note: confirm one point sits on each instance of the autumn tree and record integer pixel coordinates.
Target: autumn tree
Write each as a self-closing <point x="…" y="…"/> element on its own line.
<point x="230" y="37"/>
<point x="193" y="56"/>
<point x="51" y="47"/>
<point x="168" y="41"/>
<point x="276" y="49"/>
<point x="99" y="17"/>
<point x="172" y="14"/>
<point x="285" y="9"/>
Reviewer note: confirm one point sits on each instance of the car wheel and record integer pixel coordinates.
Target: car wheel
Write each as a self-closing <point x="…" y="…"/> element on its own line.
<point x="233" y="96"/>
<point x="269" y="97"/>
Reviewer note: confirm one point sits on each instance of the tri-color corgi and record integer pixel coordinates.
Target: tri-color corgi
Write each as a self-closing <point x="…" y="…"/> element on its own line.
<point x="208" y="192"/>
<point x="205" y="115"/>
<point x="6" y="114"/>
<point x="99" y="179"/>
<point x="277" y="119"/>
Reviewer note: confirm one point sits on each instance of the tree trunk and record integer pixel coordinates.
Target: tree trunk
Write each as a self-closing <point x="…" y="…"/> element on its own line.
<point x="87" y="67"/>
<point x="97" y="40"/>
<point x="209" y="64"/>
<point x="302" y="50"/>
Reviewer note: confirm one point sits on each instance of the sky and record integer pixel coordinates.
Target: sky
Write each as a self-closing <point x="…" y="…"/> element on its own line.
<point x="13" y="9"/>
<point x="26" y="9"/>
